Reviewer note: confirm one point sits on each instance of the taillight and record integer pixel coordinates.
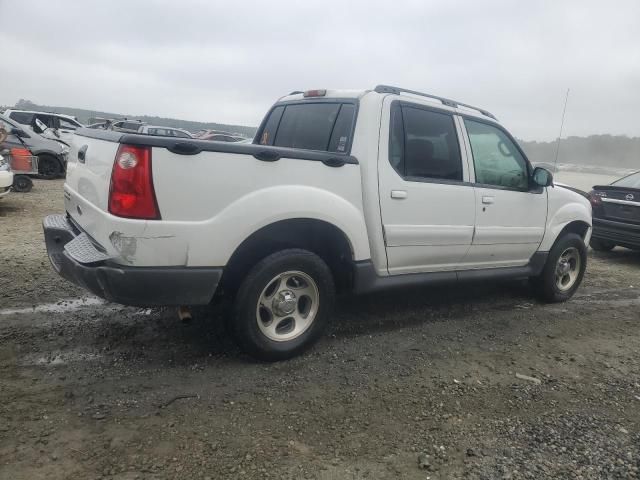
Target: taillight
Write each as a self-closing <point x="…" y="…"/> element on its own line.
<point x="131" y="193"/>
<point x="595" y="197"/>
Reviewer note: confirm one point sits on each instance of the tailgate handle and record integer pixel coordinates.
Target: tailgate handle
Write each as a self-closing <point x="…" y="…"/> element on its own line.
<point x="184" y="148"/>
<point x="82" y="153"/>
<point x="267" y="155"/>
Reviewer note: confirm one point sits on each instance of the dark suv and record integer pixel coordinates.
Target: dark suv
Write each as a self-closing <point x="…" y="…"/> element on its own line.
<point x="616" y="214"/>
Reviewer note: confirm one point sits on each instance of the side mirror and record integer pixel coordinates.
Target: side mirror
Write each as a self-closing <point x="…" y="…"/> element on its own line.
<point x="41" y="125"/>
<point x="18" y="132"/>
<point x="542" y="177"/>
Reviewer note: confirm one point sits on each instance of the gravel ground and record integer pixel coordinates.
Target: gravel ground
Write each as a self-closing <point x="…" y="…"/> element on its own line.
<point x="414" y="384"/>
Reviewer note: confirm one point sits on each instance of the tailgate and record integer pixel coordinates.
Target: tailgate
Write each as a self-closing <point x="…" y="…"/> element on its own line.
<point x="86" y="188"/>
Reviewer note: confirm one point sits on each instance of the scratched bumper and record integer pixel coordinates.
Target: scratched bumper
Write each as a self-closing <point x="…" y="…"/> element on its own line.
<point x="137" y="286"/>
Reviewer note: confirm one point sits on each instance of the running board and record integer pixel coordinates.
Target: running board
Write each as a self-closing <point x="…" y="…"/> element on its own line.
<point x="366" y="280"/>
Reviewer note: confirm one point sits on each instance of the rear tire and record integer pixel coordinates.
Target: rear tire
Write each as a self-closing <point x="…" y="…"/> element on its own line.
<point x="283" y="305"/>
<point x="49" y="167"/>
<point x="564" y="269"/>
<point x="601" y="245"/>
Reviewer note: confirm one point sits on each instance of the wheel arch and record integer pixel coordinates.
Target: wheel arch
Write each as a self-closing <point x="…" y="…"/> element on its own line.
<point x="318" y="236"/>
<point x="573" y="217"/>
<point x="54" y="157"/>
<point x="578" y="227"/>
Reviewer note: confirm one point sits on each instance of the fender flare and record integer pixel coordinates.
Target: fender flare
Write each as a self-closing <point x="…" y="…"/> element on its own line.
<point x="567" y="214"/>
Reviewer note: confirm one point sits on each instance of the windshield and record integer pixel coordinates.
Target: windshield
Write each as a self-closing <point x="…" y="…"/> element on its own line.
<point x="8" y="123"/>
<point x="631" y="181"/>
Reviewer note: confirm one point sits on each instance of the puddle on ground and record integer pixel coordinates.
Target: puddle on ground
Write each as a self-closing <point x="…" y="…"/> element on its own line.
<point x="58" y="307"/>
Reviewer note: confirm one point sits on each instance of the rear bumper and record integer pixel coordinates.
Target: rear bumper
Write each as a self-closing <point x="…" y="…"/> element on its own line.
<point x="137" y="286"/>
<point x="623" y="234"/>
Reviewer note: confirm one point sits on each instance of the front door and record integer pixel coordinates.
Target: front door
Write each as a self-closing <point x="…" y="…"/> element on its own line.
<point x="427" y="203"/>
<point x="510" y="214"/>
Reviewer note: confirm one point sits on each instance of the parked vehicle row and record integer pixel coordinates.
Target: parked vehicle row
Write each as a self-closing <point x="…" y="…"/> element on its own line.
<point x="35" y="130"/>
<point x="341" y="191"/>
<point x="137" y="126"/>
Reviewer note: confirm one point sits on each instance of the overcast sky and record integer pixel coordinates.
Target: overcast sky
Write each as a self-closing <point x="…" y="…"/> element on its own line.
<point x="229" y="61"/>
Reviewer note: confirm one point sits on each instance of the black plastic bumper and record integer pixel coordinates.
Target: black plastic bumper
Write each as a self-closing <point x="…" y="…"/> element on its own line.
<point x="136" y="286"/>
<point x="623" y="234"/>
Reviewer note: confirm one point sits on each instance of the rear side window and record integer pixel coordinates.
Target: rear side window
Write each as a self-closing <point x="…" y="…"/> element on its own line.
<point x="66" y="124"/>
<point x="424" y="144"/>
<point x="22" y="117"/>
<point x="269" y="132"/>
<point x="310" y="126"/>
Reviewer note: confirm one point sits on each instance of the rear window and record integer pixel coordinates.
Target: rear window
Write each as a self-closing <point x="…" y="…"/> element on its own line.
<point x="310" y="126"/>
<point x="632" y="181"/>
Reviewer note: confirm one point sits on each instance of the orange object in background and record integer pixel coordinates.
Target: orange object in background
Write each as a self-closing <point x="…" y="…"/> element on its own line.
<point x="21" y="160"/>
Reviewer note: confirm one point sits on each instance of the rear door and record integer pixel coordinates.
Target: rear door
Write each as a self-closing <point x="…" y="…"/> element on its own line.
<point x="427" y="203"/>
<point x="510" y="216"/>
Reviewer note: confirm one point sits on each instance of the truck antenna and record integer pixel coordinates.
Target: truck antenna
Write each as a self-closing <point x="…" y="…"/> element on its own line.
<point x="564" y="110"/>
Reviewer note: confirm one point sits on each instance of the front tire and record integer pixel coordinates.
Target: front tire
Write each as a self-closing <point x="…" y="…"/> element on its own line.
<point x="601" y="245"/>
<point x="564" y="270"/>
<point x="283" y="305"/>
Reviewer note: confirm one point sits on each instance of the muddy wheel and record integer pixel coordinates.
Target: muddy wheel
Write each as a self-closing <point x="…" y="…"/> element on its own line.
<point x="601" y="245"/>
<point x="22" y="184"/>
<point x="563" y="272"/>
<point x="283" y="305"/>
<point x="49" y="167"/>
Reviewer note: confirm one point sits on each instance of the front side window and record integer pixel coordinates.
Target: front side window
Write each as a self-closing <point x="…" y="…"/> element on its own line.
<point x="179" y="134"/>
<point x="310" y="126"/>
<point x="48" y="120"/>
<point x="496" y="158"/>
<point x="424" y="144"/>
<point x="66" y="124"/>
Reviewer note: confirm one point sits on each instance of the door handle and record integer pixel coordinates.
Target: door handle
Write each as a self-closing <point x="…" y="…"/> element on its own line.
<point x="399" y="194"/>
<point x="487" y="200"/>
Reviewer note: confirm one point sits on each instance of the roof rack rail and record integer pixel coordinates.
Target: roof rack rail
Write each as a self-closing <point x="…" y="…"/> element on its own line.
<point x="445" y="101"/>
<point x="296" y="92"/>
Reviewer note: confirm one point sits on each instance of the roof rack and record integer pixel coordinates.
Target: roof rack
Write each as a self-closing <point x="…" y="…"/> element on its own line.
<point x="445" y="101"/>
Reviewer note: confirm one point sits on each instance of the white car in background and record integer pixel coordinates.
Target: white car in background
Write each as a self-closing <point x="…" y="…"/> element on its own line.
<point x="6" y="177"/>
<point x="164" y="131"/>
<point x="55" y="126"/>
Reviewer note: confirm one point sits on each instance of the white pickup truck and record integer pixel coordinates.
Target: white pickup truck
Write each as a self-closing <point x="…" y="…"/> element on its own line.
<point x="341" y="191"/>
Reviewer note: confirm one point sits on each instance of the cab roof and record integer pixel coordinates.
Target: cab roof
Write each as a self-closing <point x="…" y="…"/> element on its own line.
<point x="448" y="103"/>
